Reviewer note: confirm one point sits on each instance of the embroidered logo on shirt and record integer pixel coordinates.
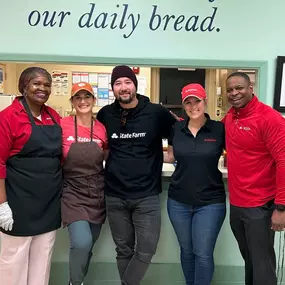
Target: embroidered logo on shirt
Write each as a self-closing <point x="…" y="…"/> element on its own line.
<point x="132" y="135"/>
<point x="128" y="135"/>
<point x="245" y="128"/>
<point x="81" y="139"/>
<point x="84" y="139"/>
<point x="70" y="138"/>
<point x="210" y="140"/>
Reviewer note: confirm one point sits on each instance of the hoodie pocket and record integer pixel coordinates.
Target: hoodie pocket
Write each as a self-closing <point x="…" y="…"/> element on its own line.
<point x="131" y="173"/>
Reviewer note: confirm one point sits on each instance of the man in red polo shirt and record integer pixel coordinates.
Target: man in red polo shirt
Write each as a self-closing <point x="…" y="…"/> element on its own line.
<point x="255" y="143"/>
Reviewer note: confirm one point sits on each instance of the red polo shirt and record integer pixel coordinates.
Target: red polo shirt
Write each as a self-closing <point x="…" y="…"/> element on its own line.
<point x="15" y="130"/>
<point x="255" y="144"/>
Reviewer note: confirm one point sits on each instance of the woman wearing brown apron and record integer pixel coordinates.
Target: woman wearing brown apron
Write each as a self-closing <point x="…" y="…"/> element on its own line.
<point x="83" y="205"/>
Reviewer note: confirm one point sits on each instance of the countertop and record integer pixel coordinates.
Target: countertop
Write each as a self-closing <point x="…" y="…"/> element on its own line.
<point x="168" y="169"/>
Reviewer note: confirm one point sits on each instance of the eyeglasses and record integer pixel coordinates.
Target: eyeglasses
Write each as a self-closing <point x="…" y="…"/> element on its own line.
<point x="124" y="117"/>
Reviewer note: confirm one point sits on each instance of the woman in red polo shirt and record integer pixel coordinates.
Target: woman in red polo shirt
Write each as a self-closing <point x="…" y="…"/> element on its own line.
<point x="83" y="206"/>
<point x="30" y="182"/>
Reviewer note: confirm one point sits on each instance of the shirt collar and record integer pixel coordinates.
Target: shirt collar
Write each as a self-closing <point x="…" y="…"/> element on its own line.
<point x="207" y="126"/>
<point x="18" y="107"/>
<point x="248" y="109"/>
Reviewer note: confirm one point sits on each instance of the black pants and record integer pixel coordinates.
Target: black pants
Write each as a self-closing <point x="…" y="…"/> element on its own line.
<point x="251" y="228"/>
<point x="135" y="227"/>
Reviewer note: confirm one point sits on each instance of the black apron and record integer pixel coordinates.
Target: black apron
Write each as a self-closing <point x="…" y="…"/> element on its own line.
<point x="34" y="181"/>
<point x="83" y="190"/>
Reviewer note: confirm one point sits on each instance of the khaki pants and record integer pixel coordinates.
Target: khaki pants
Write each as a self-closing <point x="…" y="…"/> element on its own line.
<point x="26" y="260"/>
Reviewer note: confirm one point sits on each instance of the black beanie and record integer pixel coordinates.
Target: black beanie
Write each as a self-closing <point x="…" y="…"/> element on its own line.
<point x="123" y="71"/>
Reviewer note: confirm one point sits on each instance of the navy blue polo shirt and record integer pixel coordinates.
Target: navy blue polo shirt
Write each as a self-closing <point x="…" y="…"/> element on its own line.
<point x="197" y="180"/>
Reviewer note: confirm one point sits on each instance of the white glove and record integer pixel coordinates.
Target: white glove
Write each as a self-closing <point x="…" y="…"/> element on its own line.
<point x="6" y="217"/>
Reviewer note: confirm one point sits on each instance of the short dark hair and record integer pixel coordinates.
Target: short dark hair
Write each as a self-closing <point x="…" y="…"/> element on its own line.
<point x="240" y="74"/>
<point x="30" y="73"/>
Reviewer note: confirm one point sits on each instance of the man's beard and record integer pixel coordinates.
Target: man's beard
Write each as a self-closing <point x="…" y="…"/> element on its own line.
<point x="126" y="100"/>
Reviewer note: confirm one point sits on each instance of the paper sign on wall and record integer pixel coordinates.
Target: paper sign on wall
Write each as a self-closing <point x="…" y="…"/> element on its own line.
<point x="101" y="85"/>
<point x="76" y="77"/>
<point x="93" y="81"/>
<point x="103" y="80"/>
<point x="84" y="77"/>
<point x="142" y="85"/>
<point x="60" y="83"/>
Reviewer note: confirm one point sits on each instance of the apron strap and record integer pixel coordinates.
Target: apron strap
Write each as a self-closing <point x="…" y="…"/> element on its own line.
<point x="91" y="131"/>
<point x="76" y="132"/>
<point x="31" y="117"/>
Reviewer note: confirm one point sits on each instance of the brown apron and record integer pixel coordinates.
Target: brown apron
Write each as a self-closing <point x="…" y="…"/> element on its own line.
<point x="83" y="187"/>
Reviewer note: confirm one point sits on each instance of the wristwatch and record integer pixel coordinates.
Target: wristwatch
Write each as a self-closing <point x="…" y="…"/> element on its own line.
<point x="280" y="208"/>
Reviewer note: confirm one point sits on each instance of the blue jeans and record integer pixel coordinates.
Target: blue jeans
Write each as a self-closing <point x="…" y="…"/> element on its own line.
<point x="83" y="236"/>
<point x="197" y="229"/>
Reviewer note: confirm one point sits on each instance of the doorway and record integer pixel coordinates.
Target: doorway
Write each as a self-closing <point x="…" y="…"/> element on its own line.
<point x="172" y="80"/>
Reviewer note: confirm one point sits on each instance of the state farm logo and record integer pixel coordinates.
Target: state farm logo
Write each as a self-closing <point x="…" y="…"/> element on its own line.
<point x="128" y="135"/>
<point x="82" y="139"/>
<point x="245" y="128"/>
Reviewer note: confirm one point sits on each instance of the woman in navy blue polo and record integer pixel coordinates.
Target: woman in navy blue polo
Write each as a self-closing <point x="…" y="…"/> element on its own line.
<point x="196" y="199"/>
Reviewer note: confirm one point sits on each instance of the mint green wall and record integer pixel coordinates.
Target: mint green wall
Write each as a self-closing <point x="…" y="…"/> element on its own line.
<point x="251" y="35"/>
<point x="249" y="31"/>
